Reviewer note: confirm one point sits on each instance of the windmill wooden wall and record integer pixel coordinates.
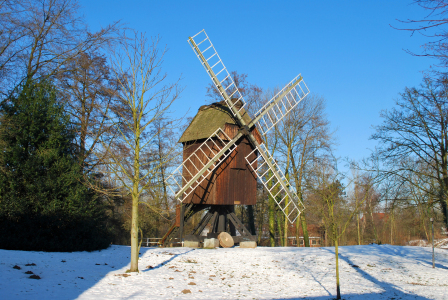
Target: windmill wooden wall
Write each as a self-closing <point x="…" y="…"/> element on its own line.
<point x="233" y="182"/>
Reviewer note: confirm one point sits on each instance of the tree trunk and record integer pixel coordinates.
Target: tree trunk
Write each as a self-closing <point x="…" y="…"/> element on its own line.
<point x="338" y="289"/>
<point x="250" y="212"/>
<point x="280" y="229"/>
<point x="135" y="198"/>
<point x="134" y="233"/>
<point x="272" y="221"/>
<point x="286" y="224"/>
<point x="261" y="217"/>
<point x="423" y="222"/>
<point x="391" y="233"/>
<point x="359" y="232"/>
<point x="444" y="183"/>
<point x="298" y="181"/>
<point x="444" y="210"/>
<point x="306" y="238"/>
<point x="286" y="212"/>
<point x="298" y="231"/>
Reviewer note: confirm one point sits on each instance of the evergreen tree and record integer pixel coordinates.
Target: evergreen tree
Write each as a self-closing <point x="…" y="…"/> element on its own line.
<point x="44" y="204"/>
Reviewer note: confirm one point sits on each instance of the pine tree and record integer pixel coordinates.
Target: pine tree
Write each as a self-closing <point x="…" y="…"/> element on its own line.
<point x="44" y="204"/>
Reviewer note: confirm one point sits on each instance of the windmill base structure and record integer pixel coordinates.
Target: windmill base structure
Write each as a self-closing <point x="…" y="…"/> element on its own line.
<point x="231" y="183"/>
<point x="224" y="155"/>
<point x="222" y="218"/>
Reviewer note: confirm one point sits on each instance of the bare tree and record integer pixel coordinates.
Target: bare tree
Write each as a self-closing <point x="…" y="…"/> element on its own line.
<point x="90" y="93"/>
<point x="363" y="189"/>
<point x="137" y="66"/>
<point x="422" y="201"/>
<point x="328" y="192"/>
<point x="305" y="136"/>
<point x="410" y="203"/>
<point x="413" y="139"/>
<point x="432" y="26"/>
<point x="271" y="141"/>
<point x="37" y="37"/>
<point x="164" y="152"/>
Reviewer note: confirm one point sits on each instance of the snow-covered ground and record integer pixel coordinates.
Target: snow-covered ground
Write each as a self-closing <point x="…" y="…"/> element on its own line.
<point x="367" y="272"/>
<point x="438" y="243"/>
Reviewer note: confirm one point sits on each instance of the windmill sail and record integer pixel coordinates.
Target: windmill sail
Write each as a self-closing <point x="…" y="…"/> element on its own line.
<point x="209" y="58"/>
<point x="276" y="183"/>
<point x="281" y="104"/>
<point x="200" y="164"/>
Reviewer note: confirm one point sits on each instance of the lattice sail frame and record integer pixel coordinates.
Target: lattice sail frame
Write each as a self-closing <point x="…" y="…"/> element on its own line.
<point x="270" y="118"/>
<point x="209" y="53"/>
<point x="209" y="153"/>
<point x="272" y="184"/>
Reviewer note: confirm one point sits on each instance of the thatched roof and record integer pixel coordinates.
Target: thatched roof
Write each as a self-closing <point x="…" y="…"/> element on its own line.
<point x="208" y="119"/>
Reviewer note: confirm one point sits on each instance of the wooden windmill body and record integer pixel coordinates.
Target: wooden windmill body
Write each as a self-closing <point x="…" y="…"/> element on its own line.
<point x="232" y="182"/>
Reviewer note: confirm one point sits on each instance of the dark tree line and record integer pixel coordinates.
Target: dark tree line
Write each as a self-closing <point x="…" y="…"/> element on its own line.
<point x="44" y="203"/>
<point x="47" y="130"/>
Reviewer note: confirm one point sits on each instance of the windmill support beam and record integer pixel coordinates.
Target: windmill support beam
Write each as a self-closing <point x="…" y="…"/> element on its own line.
<point x="181" y="225"/>
<point x="201" y="225"/>
<point x="239" y="225"/>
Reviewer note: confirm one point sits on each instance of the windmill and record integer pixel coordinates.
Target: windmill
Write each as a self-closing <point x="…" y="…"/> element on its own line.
<point x="204" y="160"/>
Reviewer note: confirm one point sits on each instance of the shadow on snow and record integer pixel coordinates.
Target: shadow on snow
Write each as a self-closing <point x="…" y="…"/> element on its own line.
<point x="64" y="275"/>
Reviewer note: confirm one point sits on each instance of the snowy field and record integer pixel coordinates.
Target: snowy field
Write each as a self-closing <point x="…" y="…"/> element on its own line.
<point x="367" y="272"/>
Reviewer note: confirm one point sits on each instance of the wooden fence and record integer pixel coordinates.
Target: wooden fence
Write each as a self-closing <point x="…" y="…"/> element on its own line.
<point x="150" y="242"/>
<point x="154" y="242"/>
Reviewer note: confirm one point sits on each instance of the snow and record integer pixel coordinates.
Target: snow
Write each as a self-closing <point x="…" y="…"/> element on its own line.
<point x="370" y="272"/>
<point x="442" y="243"/>
<point x="438" y="243"/>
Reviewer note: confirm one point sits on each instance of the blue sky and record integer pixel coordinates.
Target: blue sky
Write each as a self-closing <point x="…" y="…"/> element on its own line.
<point x="346" y="51"/>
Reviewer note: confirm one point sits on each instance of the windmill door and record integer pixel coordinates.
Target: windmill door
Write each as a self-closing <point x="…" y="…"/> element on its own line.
<point x="237" y="187"/>
<point x="242" y="188"/>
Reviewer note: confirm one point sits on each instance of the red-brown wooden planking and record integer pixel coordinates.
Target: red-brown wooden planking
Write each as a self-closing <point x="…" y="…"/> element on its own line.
<point x="177" y="223"/>
<point x="232" y="182"/>
<point x="232" y="130"/>
<point x="257" y="135"/>
<point x="191" y="168"/>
